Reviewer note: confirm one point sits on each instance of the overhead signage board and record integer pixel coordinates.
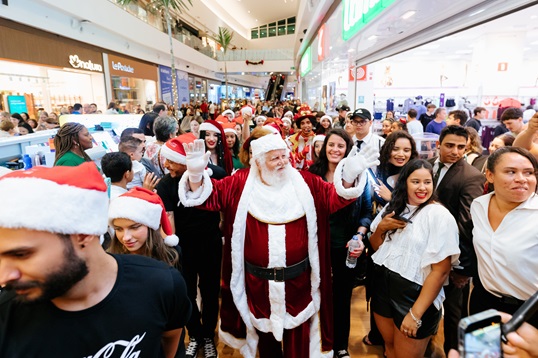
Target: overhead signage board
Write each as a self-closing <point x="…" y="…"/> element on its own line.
<point x="306" y="62"/>
<point x="359" y="13"/>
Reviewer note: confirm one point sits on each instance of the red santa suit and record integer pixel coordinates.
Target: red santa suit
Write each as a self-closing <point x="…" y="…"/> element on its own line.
<point x="275" y="227"/>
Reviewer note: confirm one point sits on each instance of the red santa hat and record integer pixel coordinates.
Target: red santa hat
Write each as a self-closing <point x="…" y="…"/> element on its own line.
<point x="230" y="112"/>
<point x="62" y="200"/>
<point x="211" y="125"/>
<point x="173" y="151"/>
<point x="247" y="110"/>
<point x="145" y="207"/>
<point x="229" y="128"/>
<point x="273" y="127"/>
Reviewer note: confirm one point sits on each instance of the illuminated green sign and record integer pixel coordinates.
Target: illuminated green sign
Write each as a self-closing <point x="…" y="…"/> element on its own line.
<point x="358" y="13"/>
<point x="306" y="62"/>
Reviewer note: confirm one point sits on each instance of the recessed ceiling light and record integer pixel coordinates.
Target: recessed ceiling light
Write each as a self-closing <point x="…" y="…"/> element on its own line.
<point x="330" y="47"/>
<point x="408" y="14"/>
<point x="351" y="50"/>
<point x="256" y="20"/>
<point x="249" y="11"/>
<point x="372" y="38"/>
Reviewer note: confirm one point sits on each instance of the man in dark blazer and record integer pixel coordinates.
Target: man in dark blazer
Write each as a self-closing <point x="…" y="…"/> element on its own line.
<point x="457" y="185"/>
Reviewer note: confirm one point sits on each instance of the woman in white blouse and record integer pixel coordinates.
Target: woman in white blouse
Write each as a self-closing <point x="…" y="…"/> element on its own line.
<point x="416" y="243"/>
<point x="505" y="236"/>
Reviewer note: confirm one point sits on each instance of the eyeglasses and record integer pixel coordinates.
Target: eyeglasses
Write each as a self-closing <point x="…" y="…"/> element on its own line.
<point x="359" y="123"/>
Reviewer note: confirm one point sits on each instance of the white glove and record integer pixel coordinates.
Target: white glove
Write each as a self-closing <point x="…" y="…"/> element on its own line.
<point x="196" y="159"/>
<point x="357" y="163"/>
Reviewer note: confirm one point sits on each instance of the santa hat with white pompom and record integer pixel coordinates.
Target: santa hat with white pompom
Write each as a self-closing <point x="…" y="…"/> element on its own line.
<point x="144" y="207"/>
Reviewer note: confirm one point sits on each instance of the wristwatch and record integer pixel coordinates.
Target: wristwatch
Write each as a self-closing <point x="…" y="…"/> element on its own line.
<point x="361" y="234"/>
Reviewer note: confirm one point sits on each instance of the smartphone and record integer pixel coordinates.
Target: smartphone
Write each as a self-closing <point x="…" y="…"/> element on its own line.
<point x="401" y="218"/>
<point x="480" y="335"/>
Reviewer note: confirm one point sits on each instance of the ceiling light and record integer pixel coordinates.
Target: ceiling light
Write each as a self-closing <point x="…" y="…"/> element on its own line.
<point x="477" y="12"/>
<point x="242" y="73"/>
<point x="534" y="17"/>
<point x="351" y="50"/>
<point x="372" y="38"/>
<point x="249" y="11"/>
<point x="408" y="14"/>
<point x="330" y="47"/>
<point x="256" y="20"/>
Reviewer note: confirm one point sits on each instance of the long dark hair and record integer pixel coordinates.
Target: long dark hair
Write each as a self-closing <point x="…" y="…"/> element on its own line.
<point x="219" y="149"/>
<point x="399" y="200"/>
<point x="321" y="166"/>
<point x="385" y="166"/>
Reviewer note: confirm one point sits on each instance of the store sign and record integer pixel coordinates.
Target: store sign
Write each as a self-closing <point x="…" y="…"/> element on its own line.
<point x="359" y="13"/>
<point x="76" y="62"/>
<point x="306" y="62"/>
<point x="124" y="68"/>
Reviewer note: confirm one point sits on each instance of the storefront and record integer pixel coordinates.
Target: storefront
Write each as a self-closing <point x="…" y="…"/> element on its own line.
<point x="361" y="55"/>
<point x="42" y="70"/>
<point x="197" y="88"/>
<point x="134" y="83"/>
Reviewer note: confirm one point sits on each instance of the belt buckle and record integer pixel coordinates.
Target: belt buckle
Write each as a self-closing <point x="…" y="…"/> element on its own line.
<point x="276" y="276"/>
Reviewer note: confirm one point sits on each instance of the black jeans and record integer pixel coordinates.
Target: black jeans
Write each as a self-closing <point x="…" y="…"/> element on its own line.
<point x="343" y="277"/>
<point x="202" y="257"/>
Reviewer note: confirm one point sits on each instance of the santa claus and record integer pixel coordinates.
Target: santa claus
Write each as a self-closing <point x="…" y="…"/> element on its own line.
<point x="276" y="274"/>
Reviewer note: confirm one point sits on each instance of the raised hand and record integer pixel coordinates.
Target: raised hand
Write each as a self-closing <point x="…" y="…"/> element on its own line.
<point x="196" y="159"/>
<point x="356" y="164"/>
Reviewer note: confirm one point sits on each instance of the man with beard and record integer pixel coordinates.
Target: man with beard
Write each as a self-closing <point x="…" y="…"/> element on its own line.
<point x="276" y="274"/>
<point x="63" y="296"/>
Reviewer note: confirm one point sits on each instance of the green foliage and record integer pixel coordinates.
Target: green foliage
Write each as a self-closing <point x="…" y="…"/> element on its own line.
<point x="178" y="5"/>
<point x="224" y="38"/>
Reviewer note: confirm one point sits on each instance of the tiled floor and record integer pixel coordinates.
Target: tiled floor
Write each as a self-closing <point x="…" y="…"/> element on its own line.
<point x="360" y="325"/>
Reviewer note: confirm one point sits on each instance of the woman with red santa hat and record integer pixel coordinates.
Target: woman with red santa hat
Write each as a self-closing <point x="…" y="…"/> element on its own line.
<point x="213" y="134"/>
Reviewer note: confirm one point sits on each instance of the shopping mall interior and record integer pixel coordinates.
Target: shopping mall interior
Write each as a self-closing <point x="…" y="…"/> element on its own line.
<point x="379" y="55"/>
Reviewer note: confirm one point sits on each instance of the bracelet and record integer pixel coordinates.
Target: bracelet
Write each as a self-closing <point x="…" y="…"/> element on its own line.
<point x="418" y="322"/>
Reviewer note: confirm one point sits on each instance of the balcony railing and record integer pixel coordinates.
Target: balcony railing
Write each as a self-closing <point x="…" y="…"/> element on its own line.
<point x="208" y="46"/>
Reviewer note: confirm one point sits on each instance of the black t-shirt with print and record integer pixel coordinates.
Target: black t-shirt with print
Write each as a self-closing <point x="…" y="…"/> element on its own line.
<point x="148" y="298"/>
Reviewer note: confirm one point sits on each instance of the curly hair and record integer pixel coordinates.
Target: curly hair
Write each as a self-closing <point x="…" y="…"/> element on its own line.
<point x="399" y="200"/>
<point x="66" y="138"/>
<point x="244" y="155"/>
<point x="321" y="166"/>
<point x="386" y="150"/>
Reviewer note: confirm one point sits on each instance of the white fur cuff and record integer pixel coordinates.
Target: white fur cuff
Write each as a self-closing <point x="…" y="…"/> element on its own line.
<point x="348" y="193"/>
<point x="189" y="198"/>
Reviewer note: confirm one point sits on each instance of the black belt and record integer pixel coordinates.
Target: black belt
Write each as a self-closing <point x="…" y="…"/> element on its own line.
<point x="278" y="274"/>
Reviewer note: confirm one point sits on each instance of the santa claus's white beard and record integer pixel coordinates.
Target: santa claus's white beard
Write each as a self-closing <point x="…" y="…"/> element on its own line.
<point x="276" y="177"/>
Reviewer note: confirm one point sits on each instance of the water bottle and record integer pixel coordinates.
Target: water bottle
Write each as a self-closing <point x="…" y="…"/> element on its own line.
<point x="27" y="162"/>
<point x="354" y="243"/>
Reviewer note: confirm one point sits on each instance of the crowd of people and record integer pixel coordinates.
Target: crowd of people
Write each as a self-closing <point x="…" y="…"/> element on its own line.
<point x="251" y="212"/>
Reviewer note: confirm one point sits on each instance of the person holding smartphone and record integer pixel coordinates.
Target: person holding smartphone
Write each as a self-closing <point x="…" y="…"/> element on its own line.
<point x="412" y="262"/>
<point x="504" y="239"/>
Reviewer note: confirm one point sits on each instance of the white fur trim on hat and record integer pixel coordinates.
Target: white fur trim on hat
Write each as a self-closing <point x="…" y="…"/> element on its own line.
<point x="228" y="111"/>
<point x="56" y="208"/>
<point x="171" y="240"/>
<point x="172" y="155"/>
<point x="267" y="143"/>
<point x="318" y="138"/>
<point x="288" y="114"/>
<point x="326" y="117"/>
<point x="137" y="210"/>
<point x="230" y="130"/>
<point x="209" y="127"/>
<point x="286" y="119"/>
